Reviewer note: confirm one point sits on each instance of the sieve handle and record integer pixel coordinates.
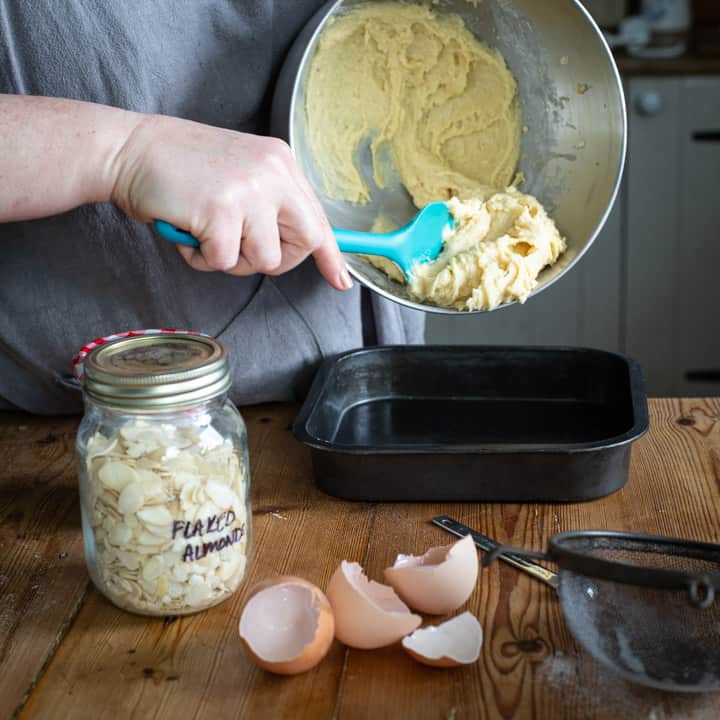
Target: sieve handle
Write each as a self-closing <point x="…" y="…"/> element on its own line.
<point x="488" y="545"/>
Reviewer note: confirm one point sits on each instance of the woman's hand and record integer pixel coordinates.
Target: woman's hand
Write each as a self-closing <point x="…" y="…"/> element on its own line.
<point x="241" y="195"/>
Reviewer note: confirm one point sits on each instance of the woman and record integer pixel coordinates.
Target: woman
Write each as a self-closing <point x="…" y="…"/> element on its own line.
<point x="112" y="114"/>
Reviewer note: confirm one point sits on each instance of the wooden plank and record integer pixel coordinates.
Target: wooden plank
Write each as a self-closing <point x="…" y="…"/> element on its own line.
<point x="530" y="666"/>
<point x="42" y="570"/>
<point x="114" y="664"/>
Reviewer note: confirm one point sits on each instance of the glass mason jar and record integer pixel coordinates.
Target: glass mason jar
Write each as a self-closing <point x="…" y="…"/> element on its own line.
<point x="164" y="475"/>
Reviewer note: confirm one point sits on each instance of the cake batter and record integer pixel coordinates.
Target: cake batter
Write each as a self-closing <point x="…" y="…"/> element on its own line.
<point x="492" y="256"/>
<point x="439" y="109"/>
<point x="436" y="104"/>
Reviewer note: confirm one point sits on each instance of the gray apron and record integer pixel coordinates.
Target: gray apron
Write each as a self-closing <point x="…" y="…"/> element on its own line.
<point x="70" y="278"/>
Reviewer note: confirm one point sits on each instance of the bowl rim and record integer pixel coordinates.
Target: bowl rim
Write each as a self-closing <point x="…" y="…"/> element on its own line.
<point x="327" y="11"/>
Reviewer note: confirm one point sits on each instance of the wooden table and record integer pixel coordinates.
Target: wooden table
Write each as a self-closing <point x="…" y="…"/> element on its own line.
<point x="65" y="652"/>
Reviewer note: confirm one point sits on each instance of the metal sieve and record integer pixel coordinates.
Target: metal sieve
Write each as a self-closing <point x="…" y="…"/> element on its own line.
<point x="647" y="607"/>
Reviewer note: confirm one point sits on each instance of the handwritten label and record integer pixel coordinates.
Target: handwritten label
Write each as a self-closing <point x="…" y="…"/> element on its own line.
<point x="212" y="524"/>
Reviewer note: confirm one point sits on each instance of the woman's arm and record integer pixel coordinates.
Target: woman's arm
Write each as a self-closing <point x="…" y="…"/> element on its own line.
<point x="241" y="195"/>
<point x="57" y="154"/>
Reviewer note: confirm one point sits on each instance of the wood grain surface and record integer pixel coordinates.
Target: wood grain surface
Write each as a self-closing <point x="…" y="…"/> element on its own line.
<point x="42" y="571"/>
<point x="68" y="653"/>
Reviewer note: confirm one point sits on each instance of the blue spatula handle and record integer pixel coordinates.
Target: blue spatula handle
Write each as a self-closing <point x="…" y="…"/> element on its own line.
<point x="173" y="234"/>
<point x="418" y="241"/>
<point x="348" y="241"/>
<point x="387" y="245"/>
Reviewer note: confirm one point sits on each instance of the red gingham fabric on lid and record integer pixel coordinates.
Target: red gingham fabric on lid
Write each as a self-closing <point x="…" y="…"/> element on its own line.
<point x="79" y="358"/>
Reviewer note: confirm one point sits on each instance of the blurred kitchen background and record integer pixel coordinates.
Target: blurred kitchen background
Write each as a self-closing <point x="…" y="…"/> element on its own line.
<point x="650" y="284"/>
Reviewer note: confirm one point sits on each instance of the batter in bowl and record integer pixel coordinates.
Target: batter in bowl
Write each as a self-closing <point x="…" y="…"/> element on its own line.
<point x="438" y="104"/>
<point x="440" y="110"/>
<point x="492" y="256"/>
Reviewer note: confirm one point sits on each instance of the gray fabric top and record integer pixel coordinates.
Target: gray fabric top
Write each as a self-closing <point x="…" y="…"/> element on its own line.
<point x="67" y="279"/>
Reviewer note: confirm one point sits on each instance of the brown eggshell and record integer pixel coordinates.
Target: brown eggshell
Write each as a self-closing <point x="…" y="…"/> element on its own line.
<point x="443" y="662"/>
<point x="439" y="581"/>
<point x="367" y="614"/>
<point x="453" y="643"/>
<point x="279" y="603"/>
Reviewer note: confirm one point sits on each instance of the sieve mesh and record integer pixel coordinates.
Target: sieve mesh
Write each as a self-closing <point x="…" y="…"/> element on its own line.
<point x="646" y="553"/>
<point x="650" y="635"/>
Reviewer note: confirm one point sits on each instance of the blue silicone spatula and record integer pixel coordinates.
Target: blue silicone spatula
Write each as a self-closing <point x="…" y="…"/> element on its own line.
<point x="421" y="240"/>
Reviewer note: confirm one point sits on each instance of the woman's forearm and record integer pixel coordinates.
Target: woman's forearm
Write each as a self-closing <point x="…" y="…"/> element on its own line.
<point x="243" y="196"/>
<point x="57" y="154"/>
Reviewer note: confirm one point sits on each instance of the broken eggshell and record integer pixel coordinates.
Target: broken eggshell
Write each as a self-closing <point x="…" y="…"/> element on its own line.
<point x="287" y="625"/>
<point x="450" y="644"/>
<point x="367" y="614"/>
<point x="439" y="581"/>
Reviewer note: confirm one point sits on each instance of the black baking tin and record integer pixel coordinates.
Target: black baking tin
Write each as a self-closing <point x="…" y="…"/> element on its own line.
<point x="513" y="424"/>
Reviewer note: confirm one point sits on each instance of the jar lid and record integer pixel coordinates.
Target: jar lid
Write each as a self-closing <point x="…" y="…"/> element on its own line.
<point x="155" y="370"/>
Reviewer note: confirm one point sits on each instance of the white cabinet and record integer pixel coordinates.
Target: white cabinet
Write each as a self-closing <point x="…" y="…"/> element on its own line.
<point x="581" y="308"/>
<point x="673" y="233"/>
<point x="649" y="286"/>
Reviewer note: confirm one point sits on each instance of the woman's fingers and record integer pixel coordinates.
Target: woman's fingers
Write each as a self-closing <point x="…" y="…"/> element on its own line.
<point x="330" y="263"/>
<point x="303" y="226"/>
<point x="245" y="247"/>
<point x="292" y="256"/>
<point x="327" y="255"/>
<point x="219" y="241"/>
<point x="260" y="244"/>
<point x="269" y="244"/>
<point x="243" y="196"/>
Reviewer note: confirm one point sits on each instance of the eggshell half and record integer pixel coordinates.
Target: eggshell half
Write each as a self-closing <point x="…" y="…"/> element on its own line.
<point x="287" y="625"/>
<point x="439" y="581"/>
<point x="452" y="643"/>
<point x="367" y="614"/>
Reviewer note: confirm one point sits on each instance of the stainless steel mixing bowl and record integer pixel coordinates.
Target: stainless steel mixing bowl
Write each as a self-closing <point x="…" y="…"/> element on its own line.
<point x="571" y="101"/>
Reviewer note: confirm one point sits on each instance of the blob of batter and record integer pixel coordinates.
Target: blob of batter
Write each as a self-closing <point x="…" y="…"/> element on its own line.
<point x="492" y="256"/>
<point x="439" y="110"/>
<point x="438" y="107"/>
